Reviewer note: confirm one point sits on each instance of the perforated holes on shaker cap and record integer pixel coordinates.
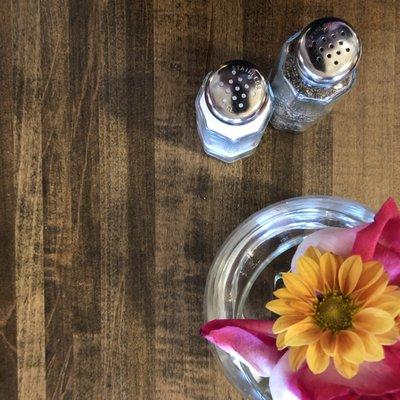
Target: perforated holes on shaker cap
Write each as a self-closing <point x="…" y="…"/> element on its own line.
<point x="329" y="47"/>
<point x="242" y="94"/>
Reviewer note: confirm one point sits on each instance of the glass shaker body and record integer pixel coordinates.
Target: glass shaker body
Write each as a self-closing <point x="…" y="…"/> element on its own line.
<point x="233" y="108"/>
<point x="298" y="100"/>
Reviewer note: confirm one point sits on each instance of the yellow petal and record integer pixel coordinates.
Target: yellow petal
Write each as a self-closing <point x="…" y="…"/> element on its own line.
<point x="372" y="271"/>
<point x="373" y="320"/>
<point x="329" y="270"/>
<point x="346" y="369"/>
<point x="339" y="260"/>
<point x="280" y="307"/>
<point x="394" y="294"/>
<point x="296" y="285"/>
<point x="289" y="307"/>
<point x="371" y="293"/>
<point x="285" y="322"/>
<point x="313" y="253"/>
<point x="350" y="347"/>
<point x="392" y="288"/>
<point x="309" y="272"/>
<point x="280" y="341"/>
<point x="302" y="333"/>
<point x="389" y="338"/>
<point x="387" y="303"/>
<point x="317" y="359"/>
<point x="305" y="308"/>
<point x="328" y="342"/>
<point x="284" y="294"/>
<point x="373" y="349"/>
<point x="297" y="355"/>
<point x="349" y="274"/>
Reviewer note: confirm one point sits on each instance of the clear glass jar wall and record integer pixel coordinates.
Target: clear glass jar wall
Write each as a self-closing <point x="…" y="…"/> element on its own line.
<point x="244" y="272"/>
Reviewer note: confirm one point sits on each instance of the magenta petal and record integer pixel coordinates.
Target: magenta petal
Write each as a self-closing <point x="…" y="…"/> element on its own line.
<point x="250" y="341"/>
<point x="369" y="237"/>
<point x="380" y="240"/>
<point x="387" y="250"/>
<point x="349" y="397"/>
<point x="353" y="396"/>
<point x="379" y="380"/>
<point x="357" y="397"/>
<point x="283" y="382"/>
<point x="261" y="328"/>
<point x="336" y="240"/>
<point x="374" y="378"/>
<point x="301" y="385"/>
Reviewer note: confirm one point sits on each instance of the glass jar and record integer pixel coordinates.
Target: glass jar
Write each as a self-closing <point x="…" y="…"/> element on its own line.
<point x="316" y="67"/>
<point x="246" y="268"/>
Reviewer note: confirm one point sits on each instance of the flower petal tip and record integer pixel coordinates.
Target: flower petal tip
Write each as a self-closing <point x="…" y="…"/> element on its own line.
<point x="246" y="340"/>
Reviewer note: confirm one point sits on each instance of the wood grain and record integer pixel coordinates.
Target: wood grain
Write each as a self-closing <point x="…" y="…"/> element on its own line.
<point x="111" y="212"/>
<point x="8" y="333"/>
<point x="57" y="212"/>
<point x="29" y="254"/>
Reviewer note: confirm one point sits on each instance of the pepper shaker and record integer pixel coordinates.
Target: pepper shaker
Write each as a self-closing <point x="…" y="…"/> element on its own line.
<point x="316" y="67"/>
<point x="233" y="108"/>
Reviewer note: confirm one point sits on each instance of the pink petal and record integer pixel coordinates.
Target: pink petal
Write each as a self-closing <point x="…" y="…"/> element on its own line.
<point x="380" y="240"/>
<point x="251" y="341"/>
<point x="283" y="382"/>
<point x="394" y="396"/>
<point x="387" y="251"/>
<point x="379" y="380"/>
<point x="336" y="240"/>
<point x="368" y="237"/>
<point x="301" y="385"/>
<point x="374" y="378"/>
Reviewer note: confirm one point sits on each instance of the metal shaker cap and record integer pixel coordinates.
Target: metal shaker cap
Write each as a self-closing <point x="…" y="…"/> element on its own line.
<point x="237" y="92"/>
<point x="328" y="50"/>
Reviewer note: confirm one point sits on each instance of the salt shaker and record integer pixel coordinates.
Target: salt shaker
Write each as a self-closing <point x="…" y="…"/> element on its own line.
<point x="316" y="67"/>
<point x="233" y="108"/>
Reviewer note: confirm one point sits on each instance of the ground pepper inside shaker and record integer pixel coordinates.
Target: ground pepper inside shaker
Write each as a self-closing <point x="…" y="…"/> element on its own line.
<point x="233" y="108"/>
<point x="316" y="67"/>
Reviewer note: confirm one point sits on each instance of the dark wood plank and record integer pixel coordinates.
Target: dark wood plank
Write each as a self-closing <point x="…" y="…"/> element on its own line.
<point x="29" y="201"/>
<point x="8" y="351"/>
<point x="114" y="217"/>
<point x="86" y="383"/>
<point x="85" y="301"/>
<point x="127" y="201"/>
<point x="57" y="223"/>
<point x="84" y="86"/>
<point x="141" y="274"/>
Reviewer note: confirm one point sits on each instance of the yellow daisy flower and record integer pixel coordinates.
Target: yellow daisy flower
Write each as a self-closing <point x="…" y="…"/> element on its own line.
<point x="337" y="309"/>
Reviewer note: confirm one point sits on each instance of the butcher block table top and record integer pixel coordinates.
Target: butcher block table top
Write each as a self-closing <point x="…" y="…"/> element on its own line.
<point x="111" y="213"/>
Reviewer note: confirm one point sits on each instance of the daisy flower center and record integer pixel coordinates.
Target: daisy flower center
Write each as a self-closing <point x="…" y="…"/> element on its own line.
<point x="334" y="312"/>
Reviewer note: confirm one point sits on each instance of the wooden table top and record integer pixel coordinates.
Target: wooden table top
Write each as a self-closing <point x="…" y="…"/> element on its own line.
<point x="111" y="212"/>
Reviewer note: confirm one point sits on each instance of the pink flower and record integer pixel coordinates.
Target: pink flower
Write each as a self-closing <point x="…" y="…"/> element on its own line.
<point x="249" y="340"/>
<point x="253" y="343"/>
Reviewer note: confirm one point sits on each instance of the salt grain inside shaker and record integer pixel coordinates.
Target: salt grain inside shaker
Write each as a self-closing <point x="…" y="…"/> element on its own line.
<point x="316" y="67"/>
<point x="233" y="108"/>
